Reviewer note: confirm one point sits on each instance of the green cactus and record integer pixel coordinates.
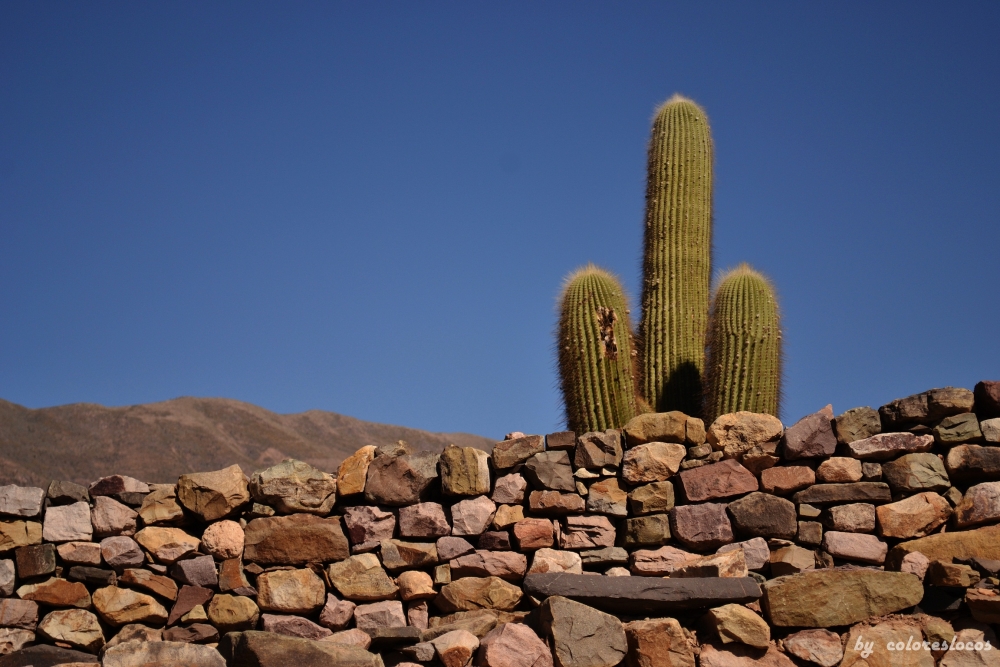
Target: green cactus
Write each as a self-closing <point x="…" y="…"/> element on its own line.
<point x="677" y="257"/>
<point x="744" y="359"/>
<point x="596" y="355"/>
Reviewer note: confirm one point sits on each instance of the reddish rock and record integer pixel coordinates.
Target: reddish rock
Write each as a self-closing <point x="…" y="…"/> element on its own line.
<point x="165" y="587"/>
<point x="726" y="564"/>
<point x="915" y="516"/>
<point x="417" y="614"/>
<point x="35" y="560"/>
<point x="821" y="647"/>
<point x="293" y="626"/>
<point x="233" y="580"/>
<point x="452" y="547"/>
<point x="980" y="504"/>
<point x="533" y="534"/>
<point x="811" y="437"/>
<point x="18" y="614"/>
<point x="552" y="560"/>
<point x="659" y="562"/>
<point x="553" y="503"/>
<point x="739" y="655"/>
<point x="187" y="599"/>
<point x="367" y="526"/>
<point x="885" y="446"/>
<point x="387" y="614"/>
<point x="587" y="532"/>
<point x="855" y="546"/>
<point x="701" y="527"/>
<point x="80" y="553"/>
<point x="509" y="489"/>
<point x="213" y="495"/>
<point x="336" y="614"/>
<point x="786" y="479"/>
<point x="114" y="485"/>
<point x="223" y="539"/>
<point x="196" y="633"/>
<point x="198" y="571"/>
<point x="987" y="399"/>
<point x="717" y="480"/>
<point x="672" y="426"/>
<point x="455" y="648"/>
<point x="472" y="516"/>
<point x="56" y="592"/>
<point x="551" y="471"/>
<point x="504" y="564"/>
<point x="422" y="520"/>
<point x="513" y="645"/>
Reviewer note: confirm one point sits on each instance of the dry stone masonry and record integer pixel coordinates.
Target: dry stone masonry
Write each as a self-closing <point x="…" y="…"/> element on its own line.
<point x="838" y="540"/>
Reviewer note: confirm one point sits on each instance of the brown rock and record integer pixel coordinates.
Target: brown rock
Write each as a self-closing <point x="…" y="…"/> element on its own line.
<point x="582" y="636"/>
<point x="353" y="637"/>
<point x="198" y="571"/>
<point x="973" y="463"/>
<point x="980" y="504"/>
<point x="110" y="517"/>
<point x="885" y="446"/>
<point x="652" y="462"/>
<point x="290" y="591"/>
<point x="294" y="540"/>
<point x="839" y="469"/>
<point x="336" y="614"/>
<point x="415" y="585"/>
<point x="647" y="531"/>
<point x="120" y="606"/>
<point x="361" y="578"/>
<point x="35" y="561"/>
<point x="233" y="613"/>
<point x="882" y="635"/>
<point x="717" y="480"/>
<point x="114" y="485"/>
<point x="659" y="562"/>
<point x="978" y="543"/>
<point x="354" y="470"/>
<point x="825" y="494"/>
<point x="607" y="497"/>
<point x="786" y="479"/>
<point x="18" y="534"/>
<point x="472" y="516"/>
<point x="852" y="518"/>
<point x="423" y="520"/>
<point x="165" y="587"/>
<point x="664" y="427"/>
<point x="167" y="545"/>
<point x="367" y="526"/>
<point x="738" y="655"/>
<point x="763" y="515"/>
<point x="478" y="593"/>
<point x="399" y="555"/>
<point x="701" y="527"/>
<point x="738" y="432"/>
<point x="726" y="564"/>
<point x="915" y="516"/>
<point x="509" y="453"/>
<point x="504" y="564"/>
<point x="400" y="480"/>
<point x="821" y="647"/>
<point x="74" y="628"/>
<point x="295" y="486"/>
<point x="736" y="623"/>
<point x="587" y="532"/>
<point x="551" y="471"/>
<point x="913" y="473"/>
<point x="855" y="546"/>
<point x="659" y="642"/>
<point x="533" y="534"/>
<point x="161" y="507"/>
<point x="827" y="598"/>
<point x="791" y="560"/>
<point x="509" y="489"/>
<point x="551" y="560"/>
<point x="951" y="574"/>
<point x="513" y="645"/>
<point x="598" y="449"/>
<point x="987" y="399"/>
<point x="654" y="498"/>
<point x="984" y="604"/>
<point x="386" y="614"/>
<point x="810" y="533"/>
<point x="465" y="471"/>
<point x="506" y="516"/>
<point x="196" y="633"/>
<point x="56" y="592"/>
<point x="553" y="503"/>
<point x="213" y="495"/>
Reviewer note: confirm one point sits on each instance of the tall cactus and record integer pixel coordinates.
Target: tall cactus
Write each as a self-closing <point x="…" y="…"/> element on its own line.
<point x="676" y="257"/>
<point x="596" y="357"/>
<point x="744" y="361"/>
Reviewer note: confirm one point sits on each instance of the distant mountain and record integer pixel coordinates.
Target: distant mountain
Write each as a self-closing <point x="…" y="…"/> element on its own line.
<point x="158" y="442"/>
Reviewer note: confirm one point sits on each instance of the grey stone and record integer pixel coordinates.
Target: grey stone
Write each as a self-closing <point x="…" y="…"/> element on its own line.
<point x="643" y="595"/>
<point x="551" y="471"/>
<point x="913" y="473"/>
<point x="598" y="449"/>
<point x="857" y="424"/>
<point x="21" y="501"/>
<point x="582" y="636"/>
<point x="957" y="430"/>
<point x="763" y="515"/>
<point x="871" y="472"/>
<point x="400" y="480"/>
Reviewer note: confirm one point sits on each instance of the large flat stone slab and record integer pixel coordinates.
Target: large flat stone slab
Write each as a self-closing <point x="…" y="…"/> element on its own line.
<point x="827" y="598"/>
<point x="641" y="595"/>
<point x="979" y="543"/>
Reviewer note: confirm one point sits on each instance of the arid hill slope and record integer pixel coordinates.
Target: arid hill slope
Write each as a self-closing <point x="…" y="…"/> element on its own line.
<point x="157" y="442"/>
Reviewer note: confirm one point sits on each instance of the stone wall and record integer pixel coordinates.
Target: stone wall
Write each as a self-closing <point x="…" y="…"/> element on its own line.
<point x="867" y="538"/>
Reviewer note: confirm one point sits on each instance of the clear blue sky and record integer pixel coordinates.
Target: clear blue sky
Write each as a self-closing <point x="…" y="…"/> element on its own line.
<point x="369" y="207"/>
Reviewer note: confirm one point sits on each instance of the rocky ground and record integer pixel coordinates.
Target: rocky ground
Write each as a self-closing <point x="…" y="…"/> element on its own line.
<point x="866" y="538"/>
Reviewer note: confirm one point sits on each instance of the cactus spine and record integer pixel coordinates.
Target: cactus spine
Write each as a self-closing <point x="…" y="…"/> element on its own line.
<point x="677" y="251"/>
<point x="744" y="364"/>
<point x="596" y="357"/>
